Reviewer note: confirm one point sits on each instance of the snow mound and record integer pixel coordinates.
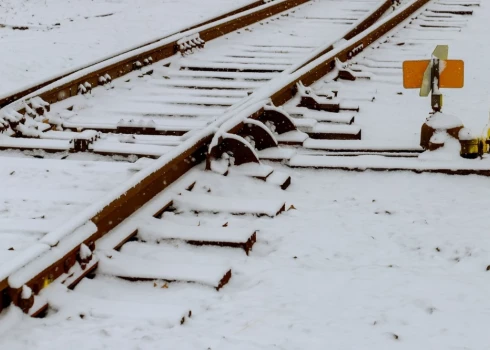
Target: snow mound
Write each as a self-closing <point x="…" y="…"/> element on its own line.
<point x="450" y="151"/>
<point x="443" y="121"/>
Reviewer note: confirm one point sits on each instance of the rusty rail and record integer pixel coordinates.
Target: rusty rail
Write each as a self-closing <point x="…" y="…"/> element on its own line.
<point x="5" y="100"/>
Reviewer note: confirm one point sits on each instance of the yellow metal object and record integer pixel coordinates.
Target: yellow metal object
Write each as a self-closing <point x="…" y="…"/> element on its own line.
<point x="47" y="281"/>
<point x="486" y="138"/>
<point x="471" y="148"/>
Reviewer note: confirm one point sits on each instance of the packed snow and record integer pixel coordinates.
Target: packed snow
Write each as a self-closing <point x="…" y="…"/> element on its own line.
<point x="38" y="196"/>
<point x="369" y="260"/>
<point x="400" y="262"/>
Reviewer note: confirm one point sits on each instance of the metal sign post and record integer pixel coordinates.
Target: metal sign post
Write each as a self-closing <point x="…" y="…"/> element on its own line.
<point x="432" y="75"/>
<point x="436" y="97"/>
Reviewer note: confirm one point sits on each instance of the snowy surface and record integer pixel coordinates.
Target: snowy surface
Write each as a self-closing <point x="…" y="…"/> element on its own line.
<point x="39" y="195"/>
<point x="63" y="299"/>
<point x="213" y="204"/>
<point x="366" y="261"/>
<point x="64" y="34"/>
<point x="352" y="267"/>
<point x="156" y="230"/>
<point x="118" y="264"/>
<point x="448" y="160"/>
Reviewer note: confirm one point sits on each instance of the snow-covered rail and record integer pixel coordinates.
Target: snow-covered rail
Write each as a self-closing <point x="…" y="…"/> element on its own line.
<point x="160" y="103"/>
<point x="135" y="52"/>
<point x="248" y="128"/>
<point x="103" y="72"/>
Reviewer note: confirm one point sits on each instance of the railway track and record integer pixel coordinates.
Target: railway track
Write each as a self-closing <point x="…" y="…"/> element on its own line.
<point x="377" y="72"/>
<point x="184" y="94"/>
<point x="214" y="109"/>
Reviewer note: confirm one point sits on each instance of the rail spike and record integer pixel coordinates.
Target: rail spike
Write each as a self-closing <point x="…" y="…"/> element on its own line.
<point x="310" y="100"/>
<point x="343" y="72"/>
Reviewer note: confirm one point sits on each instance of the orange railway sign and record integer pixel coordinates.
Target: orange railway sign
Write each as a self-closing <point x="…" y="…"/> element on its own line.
<point x="431" y="75"/>
<point x="451" y="74"/>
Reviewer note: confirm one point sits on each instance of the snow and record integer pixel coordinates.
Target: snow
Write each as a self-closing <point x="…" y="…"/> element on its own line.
<point x="336" y="129"/>
<point x="140" y="164"/>
<point x="60" y="247"/>
<point x="38" y="196"/>
<point x="26" y="143"/>
<point x="167" y="316"/>
<point x="252" y="169"/>
<point x="208" y="203"/>
<point x="466" y="134"/>
<point x="292" y="136"/>
<point x="305" y="123"/>
<point x="366" y="260"/>
<point x="221" y="165"/>
<point x="26" y="292"/>
<point x="449" y="152"/>
<point x="280" y="153"/>
<point x="372" y="145"/>
<point x="349" y="267"/>
<point x="155" y="230"/>
<point x="277" y="178"/>
<point x="303" y="112"/>
<point x="14" y="263"/>
<point x="64" y="35"/>
<point x="443" y="121"/>
<point x="85" y="252"/>
<point x="113" y="263"/>
<point x="103" y="146"/>
<point x="449" y="161"/>
<point x="440" y="137"/>
<point x="27" y="225"/>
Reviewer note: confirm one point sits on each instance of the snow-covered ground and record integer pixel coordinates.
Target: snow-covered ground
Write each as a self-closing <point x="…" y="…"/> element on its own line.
<point x="397" y="114"/>
<point x="65" y="34"/>
<point x="368" y="260"/>
<point x="39" y="195"/>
